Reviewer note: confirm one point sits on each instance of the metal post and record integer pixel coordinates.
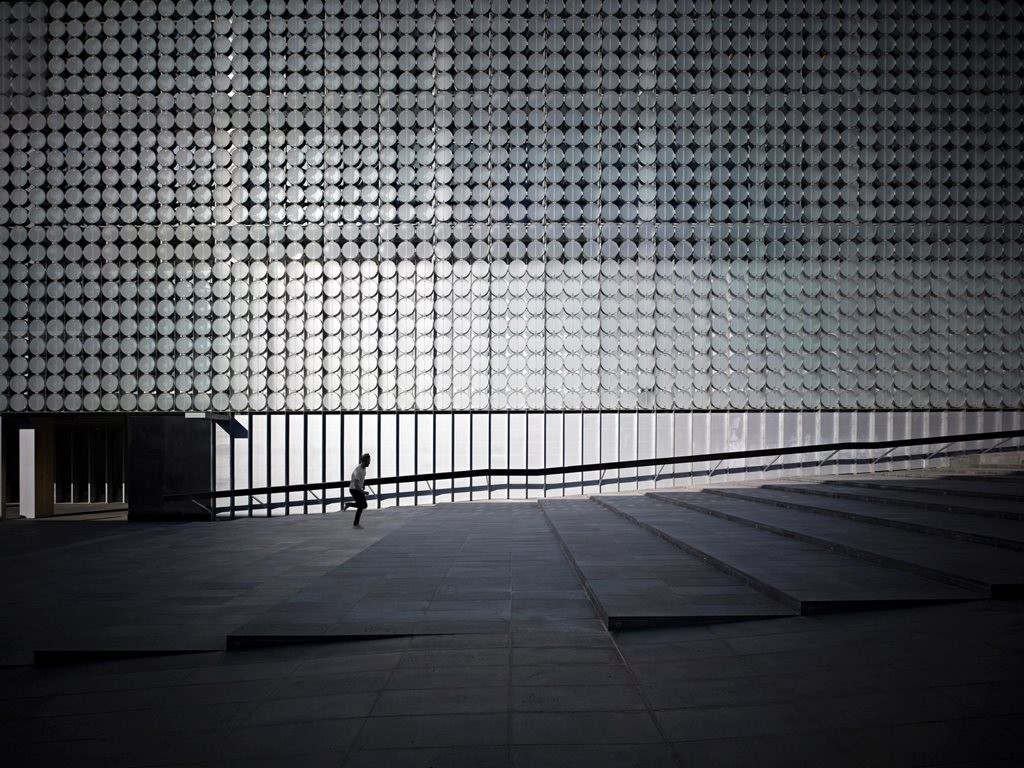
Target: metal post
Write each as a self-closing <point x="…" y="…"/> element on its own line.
<point x="775" y="458"/>
<point x="305" y="462"/>
<point x="654" y="417"/>
<point x="526" y="454"/>
<point x="270" y="450"/>
<point x="433" y="460"/>
<point x="715" y="468"/>
<point x="341" y="461"/>
<point x="636" y="443"/>
<point x="380" y="453"/>
<point x="1001" y="442"/>
<point x="88" y="466"/>
<point x="398" y="456"/>
<point x="544" y="455"/>
<point x="672" y="440"/>
<point x="359" y="449"/>
<point x="827" y="458"/>
<point x="212" y="483"/>
<point x="618" y="449"/>
<point x="879" y="458"/>
<point x="3" y="469"/>
<point x="943" y="447"/>
<point x="287" y="462"/>
<point x="231" y="466"/>
<point x="249" y="469"/>
<point x="323" y="459"/>
<point x="106" y="465"/>
<point x="416" y="456"/>
<point x="71" y="433"/>
<point x="563" y="451"/>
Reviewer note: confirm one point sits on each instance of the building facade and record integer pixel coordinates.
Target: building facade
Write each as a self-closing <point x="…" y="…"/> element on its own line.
<point x="572" y="206"/>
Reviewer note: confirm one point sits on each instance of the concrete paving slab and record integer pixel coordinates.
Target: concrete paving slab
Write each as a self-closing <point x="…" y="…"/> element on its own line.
<point x="128" y="586"/>
<point x="457" y="569"/>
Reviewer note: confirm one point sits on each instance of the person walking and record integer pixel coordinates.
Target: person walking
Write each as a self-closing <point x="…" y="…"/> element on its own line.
<point x="356" y="488"/>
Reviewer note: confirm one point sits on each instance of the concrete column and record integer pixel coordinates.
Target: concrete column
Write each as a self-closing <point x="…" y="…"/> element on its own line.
<point x="167" y="454"/>
<point x="36" y="469"/>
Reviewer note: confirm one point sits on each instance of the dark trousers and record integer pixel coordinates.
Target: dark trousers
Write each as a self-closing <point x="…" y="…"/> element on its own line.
<point x="360" y="499"/>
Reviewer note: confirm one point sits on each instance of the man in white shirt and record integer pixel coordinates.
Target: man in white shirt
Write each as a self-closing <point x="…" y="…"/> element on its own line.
<point x="356" y="487"/>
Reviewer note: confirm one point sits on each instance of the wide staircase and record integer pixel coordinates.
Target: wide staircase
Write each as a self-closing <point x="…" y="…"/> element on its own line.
<point x="796" y="546"/>
<point x="672" y="556"/>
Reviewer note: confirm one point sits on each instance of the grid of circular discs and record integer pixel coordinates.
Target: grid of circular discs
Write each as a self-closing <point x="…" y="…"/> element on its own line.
<point x="391" y="204"/>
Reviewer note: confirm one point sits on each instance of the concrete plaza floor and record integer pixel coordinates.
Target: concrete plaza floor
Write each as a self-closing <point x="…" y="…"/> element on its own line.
<point x="476" y="634"/>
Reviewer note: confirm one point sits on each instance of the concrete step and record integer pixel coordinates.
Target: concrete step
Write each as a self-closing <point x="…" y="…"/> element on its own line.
<point x="943" y="487"/>
<point x="979" y="529"/>
<point x="995" y="459"/>
<point x="994" y="476"/>
<point x="990" y="571"/>
<point x="798" y="574"/>
<point x="1009" y="510"/>
<point x="636" y="579"/>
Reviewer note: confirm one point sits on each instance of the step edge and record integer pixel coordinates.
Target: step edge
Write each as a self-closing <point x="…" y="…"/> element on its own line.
<point x="817" y="490"/>
<point x="931" y="530"/>
<point x="787" y="600"/>
<point x="985" y="589"/>
<point x="599" y="609"/>
<point x="889" y="486"/>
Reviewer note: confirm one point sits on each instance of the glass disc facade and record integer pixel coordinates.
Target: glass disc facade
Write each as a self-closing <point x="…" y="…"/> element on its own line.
<point x="231" y="205"/>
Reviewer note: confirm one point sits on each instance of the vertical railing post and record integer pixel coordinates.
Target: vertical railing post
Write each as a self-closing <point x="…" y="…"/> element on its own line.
<point x="249" y="468"/>
<point x="287" y="462"/>
<point x="231" y="464"/>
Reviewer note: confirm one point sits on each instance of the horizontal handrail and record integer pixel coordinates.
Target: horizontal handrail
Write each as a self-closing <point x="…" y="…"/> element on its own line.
<point x="607" y="465"/>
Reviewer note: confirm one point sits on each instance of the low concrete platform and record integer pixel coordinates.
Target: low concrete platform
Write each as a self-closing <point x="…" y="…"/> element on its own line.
<point x="449" y="569"/>
<point x="122" y="586"/>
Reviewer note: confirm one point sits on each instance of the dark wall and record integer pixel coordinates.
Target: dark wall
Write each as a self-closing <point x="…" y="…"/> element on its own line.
<point x="166" y="455"/>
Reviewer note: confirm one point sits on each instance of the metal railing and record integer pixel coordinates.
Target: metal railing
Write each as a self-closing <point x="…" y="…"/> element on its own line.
<point x="944" y="441"/>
